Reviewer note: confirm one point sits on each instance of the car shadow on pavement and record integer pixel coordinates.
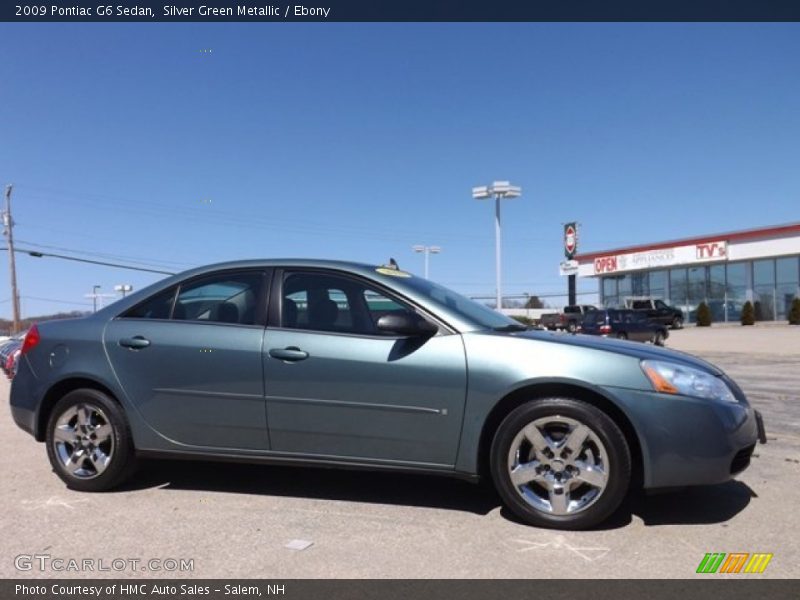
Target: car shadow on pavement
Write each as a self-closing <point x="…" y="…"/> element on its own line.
<point x="690" y="506"/>
<point x="401" y="489"/>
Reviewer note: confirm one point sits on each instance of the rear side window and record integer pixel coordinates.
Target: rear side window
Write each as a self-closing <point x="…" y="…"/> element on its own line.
<point x="155" y="307"/>
<point x="638" y="304"/>
<point x="572" y="309"/>
<point x="225" y="298"/>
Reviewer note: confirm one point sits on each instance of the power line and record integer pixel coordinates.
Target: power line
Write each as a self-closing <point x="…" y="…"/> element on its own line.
<point x="134" y="259"/>
<point x="37" y="254"/>
<point x="58" y="301"/>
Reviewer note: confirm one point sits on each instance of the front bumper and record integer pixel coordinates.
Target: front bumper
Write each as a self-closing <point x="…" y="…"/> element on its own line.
<point x="689" y="441"/>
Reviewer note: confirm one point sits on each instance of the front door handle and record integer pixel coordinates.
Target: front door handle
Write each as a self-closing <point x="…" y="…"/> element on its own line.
<point x="291" y="354"/>
<point x="136" y="342"/>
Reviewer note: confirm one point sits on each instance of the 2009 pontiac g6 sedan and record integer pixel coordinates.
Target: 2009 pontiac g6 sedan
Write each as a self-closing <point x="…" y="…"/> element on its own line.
<point x="351" y="365"/>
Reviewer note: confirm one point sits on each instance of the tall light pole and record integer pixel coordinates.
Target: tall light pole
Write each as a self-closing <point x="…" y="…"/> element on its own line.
<point x="427" y="250"/>
<point x="123" y="288"/>
<point x="94" y="297"/>
<point x="8" y="230"/>
<point x="499" y="190"/>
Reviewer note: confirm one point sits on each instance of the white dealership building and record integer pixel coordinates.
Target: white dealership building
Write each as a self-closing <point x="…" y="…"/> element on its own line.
<point x="724" y="270"/>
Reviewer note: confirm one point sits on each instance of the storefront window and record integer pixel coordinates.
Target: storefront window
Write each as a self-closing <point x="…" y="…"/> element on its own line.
<point x="677" y="289"/>
<point x="610" y="296"/>
<point x="736" y="288"/>
<point x="696" y="289"/>
<point x="640" y="284"/>
<point x="658" y="284"/>
<point x="764" y="289"/>
<point x="787" y="271"/>
<point x="716" y="293"/>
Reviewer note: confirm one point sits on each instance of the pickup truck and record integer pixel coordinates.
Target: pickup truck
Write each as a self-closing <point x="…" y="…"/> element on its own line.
<point x="657" y="311"/>
<point x="569" y="319"/>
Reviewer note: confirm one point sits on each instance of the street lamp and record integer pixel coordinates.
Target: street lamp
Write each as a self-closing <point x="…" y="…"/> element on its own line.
<point x="94" y="297"/>
<point x="123" y="288"/>
<point x="427" y="250"/>
<point x="499" y="190"/>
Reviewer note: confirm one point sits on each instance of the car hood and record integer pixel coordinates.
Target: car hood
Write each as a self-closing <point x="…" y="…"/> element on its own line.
<point x="635" y="349"/>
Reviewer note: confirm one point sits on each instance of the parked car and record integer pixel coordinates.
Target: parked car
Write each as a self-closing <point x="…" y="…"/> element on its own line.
<point x="352" y="365"/>
<point x="10" y="366"/>
<point x="624" y="324"/>
<point x="569" y="319"/>
<point x="657" y="311"/>
<point x="8" y="349"/>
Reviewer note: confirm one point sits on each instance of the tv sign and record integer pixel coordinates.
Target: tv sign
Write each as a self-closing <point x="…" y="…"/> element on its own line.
<point x="711" y="250"/>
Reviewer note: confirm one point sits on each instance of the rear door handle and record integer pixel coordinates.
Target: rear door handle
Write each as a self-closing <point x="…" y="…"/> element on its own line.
<point x="135" y="343"/>
<point x="291" y="354"/>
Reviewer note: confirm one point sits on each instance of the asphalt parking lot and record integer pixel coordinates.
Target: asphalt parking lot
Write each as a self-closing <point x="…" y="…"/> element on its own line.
<point x="236" y="520"/>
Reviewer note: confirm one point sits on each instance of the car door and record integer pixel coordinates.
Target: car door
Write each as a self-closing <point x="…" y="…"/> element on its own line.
<point x="189" y="359"/>
<point x="337" y="387"/>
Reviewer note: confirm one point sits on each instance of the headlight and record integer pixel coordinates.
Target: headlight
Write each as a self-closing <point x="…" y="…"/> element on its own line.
<point x="673" y="378"/>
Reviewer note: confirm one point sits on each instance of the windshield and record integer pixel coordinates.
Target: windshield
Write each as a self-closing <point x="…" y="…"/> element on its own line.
<point x="479" y="314"/>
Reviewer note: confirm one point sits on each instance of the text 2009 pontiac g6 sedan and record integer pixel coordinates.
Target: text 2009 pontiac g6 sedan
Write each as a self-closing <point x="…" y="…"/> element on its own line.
<point x="330" y="363"/>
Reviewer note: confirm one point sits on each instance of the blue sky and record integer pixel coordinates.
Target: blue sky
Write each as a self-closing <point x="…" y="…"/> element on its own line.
<point x="128" y="142"/>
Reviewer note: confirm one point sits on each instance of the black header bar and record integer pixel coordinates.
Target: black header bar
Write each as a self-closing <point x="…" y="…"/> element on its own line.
<point x="148" y="11"/>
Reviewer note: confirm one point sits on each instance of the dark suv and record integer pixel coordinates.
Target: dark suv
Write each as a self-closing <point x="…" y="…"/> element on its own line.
<point x="658" y="311"/>
<point x="625" y="325"/>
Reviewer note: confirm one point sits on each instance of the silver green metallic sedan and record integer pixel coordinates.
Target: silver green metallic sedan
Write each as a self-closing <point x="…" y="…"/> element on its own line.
<point x="330" y="363"/>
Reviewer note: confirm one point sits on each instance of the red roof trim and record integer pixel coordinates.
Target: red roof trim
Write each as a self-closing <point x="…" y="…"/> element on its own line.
<point x="736" y="236"/>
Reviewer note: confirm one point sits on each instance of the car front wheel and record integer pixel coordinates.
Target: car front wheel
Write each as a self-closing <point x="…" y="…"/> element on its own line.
<point x="89" y="442"/>
<point x="560" y="463"/>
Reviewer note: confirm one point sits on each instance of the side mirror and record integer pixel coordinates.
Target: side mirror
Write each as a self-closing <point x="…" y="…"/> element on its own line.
<point x="407" y="324"/>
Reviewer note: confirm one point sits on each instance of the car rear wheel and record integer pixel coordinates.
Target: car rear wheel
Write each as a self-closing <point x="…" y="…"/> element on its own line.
<point x="677" y="323"/>
<point x="89" y="442"/>
<point x="622" y="335"/>
<point x="658" y="338"/>
<point x="560" y="463"/>
<point x="572" y="327"/>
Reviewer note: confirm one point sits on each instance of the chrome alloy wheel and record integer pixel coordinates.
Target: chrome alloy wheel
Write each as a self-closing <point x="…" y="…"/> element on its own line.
<point x="558" y="465"/>
<point x="83" y="440"/>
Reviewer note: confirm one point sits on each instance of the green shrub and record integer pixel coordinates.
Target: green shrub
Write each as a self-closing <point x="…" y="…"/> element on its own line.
<point x="794" y="313"/>
<point x="748" y="314"/>
<point x="524" y="320"/>
<point x="703" y="315"/>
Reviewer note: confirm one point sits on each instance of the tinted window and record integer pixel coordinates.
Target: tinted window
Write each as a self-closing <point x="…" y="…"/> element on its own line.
<point x="226" y="298"/>
<point x="328" y="302"/>
<point x="660" y="304"/>
<point x="639" y="304"/>
<point x="155" y="307"/>
<point x="572" y="309"/>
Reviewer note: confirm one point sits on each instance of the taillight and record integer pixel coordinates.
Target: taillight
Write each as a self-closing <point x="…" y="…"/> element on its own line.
<point x="31" y="339"/>
<point x="605" y="328"/>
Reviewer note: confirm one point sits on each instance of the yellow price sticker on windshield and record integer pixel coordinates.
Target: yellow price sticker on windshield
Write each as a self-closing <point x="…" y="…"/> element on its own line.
<point x="392" y="272"/>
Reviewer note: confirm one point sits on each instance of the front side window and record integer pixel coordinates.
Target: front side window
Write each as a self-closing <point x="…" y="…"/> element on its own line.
<point x="226" y="298"/>
<point x="329" y="302"/>
<point x="155" y="307"/>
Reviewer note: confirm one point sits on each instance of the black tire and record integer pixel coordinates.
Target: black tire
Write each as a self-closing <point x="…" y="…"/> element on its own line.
<point x="121" y="462"/>
<point x="572" y="327"/>
<point x="616" y="448"/>
<point x="622" y="335"/>
<point x="658" y="338"/>
<point x="677" y="323"/>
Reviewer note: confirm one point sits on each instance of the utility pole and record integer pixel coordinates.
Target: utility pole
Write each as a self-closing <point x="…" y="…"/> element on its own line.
<point x="8" y="230"/>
